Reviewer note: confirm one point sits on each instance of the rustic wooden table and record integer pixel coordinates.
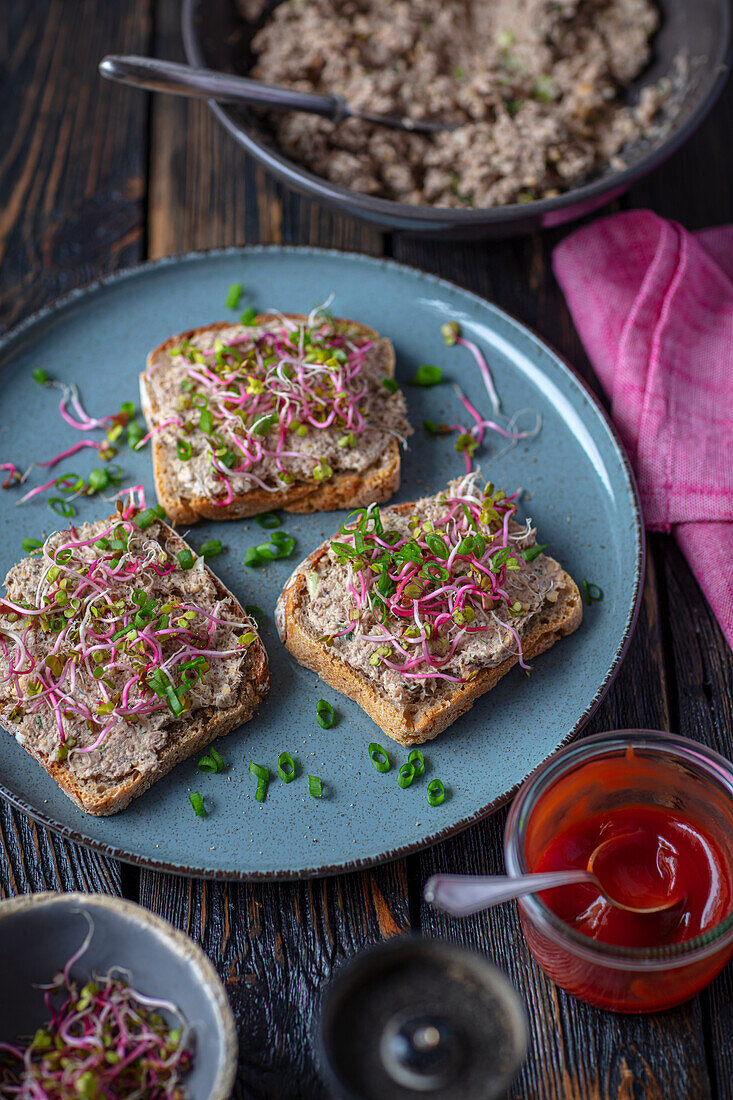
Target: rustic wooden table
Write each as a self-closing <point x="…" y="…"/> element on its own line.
<point x="97" y="177"/>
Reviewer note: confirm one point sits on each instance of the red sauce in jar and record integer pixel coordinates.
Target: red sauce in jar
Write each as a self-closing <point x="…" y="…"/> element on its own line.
<point x="654" y="856"/>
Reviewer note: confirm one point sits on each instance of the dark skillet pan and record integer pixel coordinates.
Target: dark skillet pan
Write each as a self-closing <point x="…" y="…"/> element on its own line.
<point x="216" y="36"/>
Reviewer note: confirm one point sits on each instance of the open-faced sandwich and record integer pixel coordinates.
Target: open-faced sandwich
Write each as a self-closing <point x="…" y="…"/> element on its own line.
<point x="292" y="412"/>
<point x="121" y="654"/>
<point x="414" y="611"/>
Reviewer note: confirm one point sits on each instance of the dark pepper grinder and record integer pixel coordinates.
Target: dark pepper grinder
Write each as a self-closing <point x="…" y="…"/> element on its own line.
<point x="421" y="1018"/>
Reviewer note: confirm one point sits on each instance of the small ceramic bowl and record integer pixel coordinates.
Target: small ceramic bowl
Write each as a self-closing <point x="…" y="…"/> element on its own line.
<point x="596" y="774"/>
<point x="40" y="932"/>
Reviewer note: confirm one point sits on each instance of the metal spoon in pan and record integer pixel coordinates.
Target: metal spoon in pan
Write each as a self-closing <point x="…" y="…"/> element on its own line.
<point x="168" y="76"/>
<point x="461" y="895"/>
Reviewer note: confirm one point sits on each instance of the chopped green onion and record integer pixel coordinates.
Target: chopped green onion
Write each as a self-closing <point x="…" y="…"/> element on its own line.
<point x="249" y="316"/>
<point x="258" y="770"/>
<point x="592" y="592"/>
<point x="233" y="295"/>
<point x="184" y="450"/>
<point x="206" y="421"/>
<point x="197" y="803"/>
<point x="324" y="714"/>
<point x="390" y="384"/>
<point x="315" y="787"/>
<point x="251" y="557"/>
<point x="31" y="544"/>
<point x="268" y="520"/>
<point x="261" y="790"/>
<point x="427" y="375"/>
<point x="211" y="548"/>
<point x="186" y="559"/>
<point x="39" y="375"/>
<point x="61" y="507"/>
<point x="145" y="518"/>
<point x="436" y="792"/>
<point x="405" y="775"/>
<point x="128" y="408"/>
<point x="379" y="757"/>
<point x="416" y="758"/>
<point x="286" y="767"/>
<point x="211" y="762"/>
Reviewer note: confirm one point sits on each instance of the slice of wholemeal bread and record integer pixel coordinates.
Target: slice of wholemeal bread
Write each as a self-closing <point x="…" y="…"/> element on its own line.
<point x="366" y="469"/>
<point x="136" y="751"/>
<point x="405" y="716"/>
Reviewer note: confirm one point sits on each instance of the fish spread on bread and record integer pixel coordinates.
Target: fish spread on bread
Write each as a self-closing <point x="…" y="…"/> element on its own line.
<point x="289" y="410"/>
<point x="121" y="653"/>
<point x="415" y="609"/>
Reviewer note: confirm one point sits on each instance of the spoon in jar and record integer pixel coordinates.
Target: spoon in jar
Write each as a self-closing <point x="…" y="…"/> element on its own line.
<point x="462" y="895"/>
<point x="169" y="76"/>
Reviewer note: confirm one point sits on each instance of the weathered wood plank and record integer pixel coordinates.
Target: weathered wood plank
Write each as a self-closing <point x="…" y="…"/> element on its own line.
<point x="72" y="167"/>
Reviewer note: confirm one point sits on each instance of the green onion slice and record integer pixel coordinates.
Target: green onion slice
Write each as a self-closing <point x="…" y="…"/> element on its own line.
<point x="592" y="592"/>
<point x="406" y="775"/>
<point x="31" y="544"/>
<point x="61" y="507"/>
<point x="147" y="517"/>
<point x="197" y="803"/>
<point x="184" y="450"/>
<point x="324" y="714"/>
<point x="258" y="770"/>
<point x="268" y="520"/>
<point x="251" y="557"/>
<point x="416" y="758"/>
<point x="206" y="421"/>
<point x="233" y="295"/>
<point x="261" y="790"/>
<point x="427" y="375"/>
<point x="315" y="787"/>
<point x="379" y="757"/>
<point x="211" y="548"/>
<point x="436" y="792"/>
<point x="211" y="762"/>
<point x="286" y="767"/>
<point x="249" y="316"/>
<point x="39" y="375"/>
<point x="390" y="384"/>
<point x="185" y="559"/>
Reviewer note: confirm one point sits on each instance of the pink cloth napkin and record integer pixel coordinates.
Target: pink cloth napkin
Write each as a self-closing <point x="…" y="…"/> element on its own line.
<point x="654" y="308"/>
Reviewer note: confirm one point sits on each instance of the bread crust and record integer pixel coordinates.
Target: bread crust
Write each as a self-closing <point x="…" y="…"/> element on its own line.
<point x="101" y="799"/>
<point x="345" y="489"/>
<point x="412" y="725"/>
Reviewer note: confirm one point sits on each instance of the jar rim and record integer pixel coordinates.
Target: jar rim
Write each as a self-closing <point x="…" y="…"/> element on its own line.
<point x="715" y="767"/>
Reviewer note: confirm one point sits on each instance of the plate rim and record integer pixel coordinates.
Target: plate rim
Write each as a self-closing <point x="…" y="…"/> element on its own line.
<point x="12" y="339"/>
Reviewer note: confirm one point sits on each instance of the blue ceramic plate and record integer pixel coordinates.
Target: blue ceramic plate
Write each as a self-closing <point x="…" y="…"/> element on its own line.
<point x="577" y="488"/>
